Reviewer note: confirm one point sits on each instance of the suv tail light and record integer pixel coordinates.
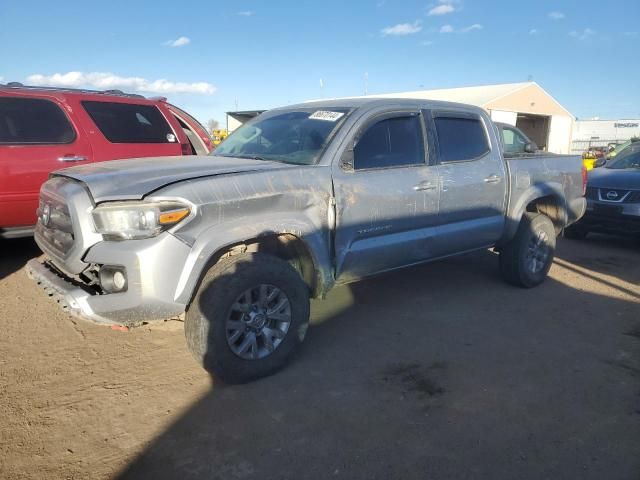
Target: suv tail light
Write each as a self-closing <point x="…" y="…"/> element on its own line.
<point x="186" y="149"/>
<point x="584" y="179"/>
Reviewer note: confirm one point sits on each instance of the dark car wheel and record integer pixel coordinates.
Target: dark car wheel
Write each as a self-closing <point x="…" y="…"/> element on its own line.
<point x="526" y="260"/>
<point x="248" y="316"/>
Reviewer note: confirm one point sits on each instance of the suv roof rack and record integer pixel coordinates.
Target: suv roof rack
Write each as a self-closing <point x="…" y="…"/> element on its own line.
<point x="114" y="92"/>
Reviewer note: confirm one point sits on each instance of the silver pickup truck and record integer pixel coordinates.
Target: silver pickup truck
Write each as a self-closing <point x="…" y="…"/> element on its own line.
<point x="298" y="200"/>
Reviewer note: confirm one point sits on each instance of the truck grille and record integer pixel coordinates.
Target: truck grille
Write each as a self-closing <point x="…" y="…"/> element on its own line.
<point x="54" y="224"/>
<point x="64" y="230"/>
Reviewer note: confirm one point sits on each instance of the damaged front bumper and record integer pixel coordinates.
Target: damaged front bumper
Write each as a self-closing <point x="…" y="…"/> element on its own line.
<point x="152" y="266"/>
<point x="71" y="298"/>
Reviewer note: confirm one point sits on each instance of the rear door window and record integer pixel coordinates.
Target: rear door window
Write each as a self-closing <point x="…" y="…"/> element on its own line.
<point x="460" y="138"/>
<point x="392" y="142"/>
<point x="130" y="123"/>
<point x="33" y="121"/>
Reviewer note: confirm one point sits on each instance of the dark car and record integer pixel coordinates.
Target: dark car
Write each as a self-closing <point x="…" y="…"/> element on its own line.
<point x="613" y="197"/>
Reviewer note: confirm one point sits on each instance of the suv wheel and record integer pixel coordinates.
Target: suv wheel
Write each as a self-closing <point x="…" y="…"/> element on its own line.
<point x="248" y="316"/>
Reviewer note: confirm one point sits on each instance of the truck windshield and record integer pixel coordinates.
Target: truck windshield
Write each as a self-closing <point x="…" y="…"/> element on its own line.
<point x="297" y="137"/>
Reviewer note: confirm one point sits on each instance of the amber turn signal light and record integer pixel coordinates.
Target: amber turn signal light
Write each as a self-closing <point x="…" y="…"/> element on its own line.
<point x="174" y="216"/>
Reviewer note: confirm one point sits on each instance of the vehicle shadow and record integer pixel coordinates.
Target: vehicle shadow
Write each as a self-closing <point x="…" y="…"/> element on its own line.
<point x="605" y="254"/>
<point x="437" y="371"/>
<point x="15" y="253"/>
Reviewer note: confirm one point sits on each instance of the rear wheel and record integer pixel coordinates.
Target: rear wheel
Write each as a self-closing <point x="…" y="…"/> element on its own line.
<point x="526" y="260"/>
<point x="575" y="232"/>
<point x="248" y="316"/>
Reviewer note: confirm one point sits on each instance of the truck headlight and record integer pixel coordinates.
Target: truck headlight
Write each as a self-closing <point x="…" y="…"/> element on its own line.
<point x="136" y="220"/>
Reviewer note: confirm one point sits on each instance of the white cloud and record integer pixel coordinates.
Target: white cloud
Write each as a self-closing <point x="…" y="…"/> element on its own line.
<point x="470" y="28"/>
<point x="247" y="13"/>
<point x="449" y="29"/>
<point x="178" y="42"/>
<point x="402" y="29"/>
<point x="109" y="81"/>
<point x="426" y="43"/>
<point x="583" y="35"/>
<point x="533" y="31"/>
<point x="556" y="15"/>
<point x="442" y="9"/>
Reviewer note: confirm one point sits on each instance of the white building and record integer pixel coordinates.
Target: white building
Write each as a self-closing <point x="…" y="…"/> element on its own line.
<point x="600" y="133"/>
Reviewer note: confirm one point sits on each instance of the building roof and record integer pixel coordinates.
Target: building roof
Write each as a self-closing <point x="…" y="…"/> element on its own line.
<point x="479" y="95"/>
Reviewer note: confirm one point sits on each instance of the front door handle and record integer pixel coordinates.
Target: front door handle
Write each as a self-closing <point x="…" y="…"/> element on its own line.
<point x="492" y="179"/>
<point x="72" y="158"/>
<point x="424" y="186"/>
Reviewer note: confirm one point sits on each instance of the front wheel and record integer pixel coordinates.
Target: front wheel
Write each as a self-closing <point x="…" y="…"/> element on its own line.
<point x="525" y="261"/>
<point x="248" y="316"/>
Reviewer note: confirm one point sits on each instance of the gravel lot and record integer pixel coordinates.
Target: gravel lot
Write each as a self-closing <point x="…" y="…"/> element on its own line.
<point x="440" y="371"/>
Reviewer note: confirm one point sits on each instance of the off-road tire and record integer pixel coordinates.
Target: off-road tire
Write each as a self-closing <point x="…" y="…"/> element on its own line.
<point x="205" y="321"/>
<point x="515" y="260"/>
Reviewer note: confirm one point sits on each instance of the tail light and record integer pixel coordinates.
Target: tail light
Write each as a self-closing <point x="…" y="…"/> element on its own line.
<point x="584" y="179"/>
<point x="186" y="149"/>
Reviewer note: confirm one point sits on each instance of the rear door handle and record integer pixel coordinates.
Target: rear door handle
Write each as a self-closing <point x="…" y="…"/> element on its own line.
<point x="72" y="158"/>
<point x="424" y="186"/>
<point x="492" y="179"/>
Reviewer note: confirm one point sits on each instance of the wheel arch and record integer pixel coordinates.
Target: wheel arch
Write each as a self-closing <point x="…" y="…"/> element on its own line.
<point x="548" y="199"/>
<point x="306" y="248"/>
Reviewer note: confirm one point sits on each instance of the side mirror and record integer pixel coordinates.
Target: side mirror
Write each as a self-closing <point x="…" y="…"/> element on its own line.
<point x="600" y="162"/>
<point x="530" y="147"/>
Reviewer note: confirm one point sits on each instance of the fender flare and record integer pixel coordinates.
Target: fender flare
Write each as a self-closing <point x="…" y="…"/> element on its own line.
<point x="222" y="236"/>
<point x="534" y="192"/>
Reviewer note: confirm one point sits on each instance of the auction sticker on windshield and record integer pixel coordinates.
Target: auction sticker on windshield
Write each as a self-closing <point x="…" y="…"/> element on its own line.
<point x="325" y="115"/>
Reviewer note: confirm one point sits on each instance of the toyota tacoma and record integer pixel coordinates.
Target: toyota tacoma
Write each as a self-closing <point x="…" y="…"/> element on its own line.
<point x="293" y="203"/>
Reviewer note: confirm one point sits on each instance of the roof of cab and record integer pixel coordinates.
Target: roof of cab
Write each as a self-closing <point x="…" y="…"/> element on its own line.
<point x="380" y="102"/>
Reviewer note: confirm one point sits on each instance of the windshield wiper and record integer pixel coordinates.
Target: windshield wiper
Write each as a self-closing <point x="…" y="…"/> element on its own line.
<point x="249" y="157"/>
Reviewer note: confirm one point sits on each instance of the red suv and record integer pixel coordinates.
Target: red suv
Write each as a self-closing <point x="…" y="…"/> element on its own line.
<point x="46" y="129"/>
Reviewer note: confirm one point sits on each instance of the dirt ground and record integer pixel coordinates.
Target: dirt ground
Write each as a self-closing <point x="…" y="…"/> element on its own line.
<point x="439" y="371"/>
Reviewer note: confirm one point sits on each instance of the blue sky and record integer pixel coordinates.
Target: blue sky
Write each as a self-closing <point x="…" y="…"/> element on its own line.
<point x="206" y="56"/>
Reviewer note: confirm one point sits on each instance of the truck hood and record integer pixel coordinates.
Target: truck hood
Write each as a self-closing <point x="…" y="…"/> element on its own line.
<point x="626" y="179"/>
<point x="132" y="179"/>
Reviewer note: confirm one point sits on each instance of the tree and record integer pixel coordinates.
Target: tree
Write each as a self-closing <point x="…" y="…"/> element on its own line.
<point x="213" y="125"/>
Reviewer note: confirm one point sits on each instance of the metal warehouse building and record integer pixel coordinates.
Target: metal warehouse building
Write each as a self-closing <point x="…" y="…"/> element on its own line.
<point x="525" y="105"/>
<point x="600" y="133"/>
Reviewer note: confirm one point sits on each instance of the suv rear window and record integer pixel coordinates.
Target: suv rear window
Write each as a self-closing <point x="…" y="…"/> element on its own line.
<point x="36" y="121"/>
<point x="130" y="123"/>
<point x="460" y="138"/>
